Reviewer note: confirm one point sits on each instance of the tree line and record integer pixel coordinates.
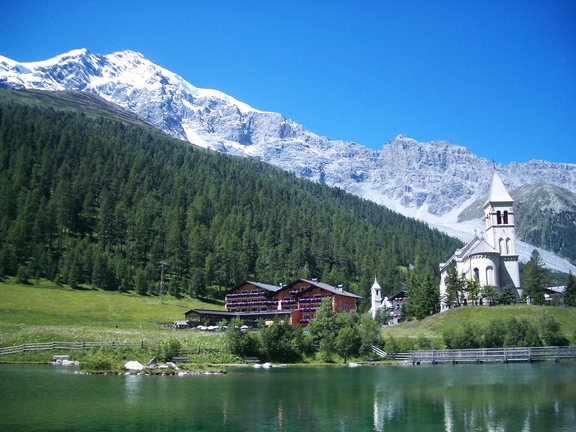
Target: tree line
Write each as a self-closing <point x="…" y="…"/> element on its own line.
<point x="513" y="332"/>
<point x="92" y="201"/>
<point x="346" y="335"/>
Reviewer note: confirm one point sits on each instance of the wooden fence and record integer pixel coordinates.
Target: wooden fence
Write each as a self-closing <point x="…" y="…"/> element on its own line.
<point x="481" y="355"/>
<point x="70" y="346"/>
<point x="67" y="346"/>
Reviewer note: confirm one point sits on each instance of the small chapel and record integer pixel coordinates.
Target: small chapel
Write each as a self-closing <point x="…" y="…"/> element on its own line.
<point x="392" y="305"/>
<point x="490" y="257"/>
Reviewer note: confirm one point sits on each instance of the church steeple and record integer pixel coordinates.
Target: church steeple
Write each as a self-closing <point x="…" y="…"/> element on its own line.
<point x="499" y="213"/>
<point x="498" y="192"/>
<point x="376" y="292"/>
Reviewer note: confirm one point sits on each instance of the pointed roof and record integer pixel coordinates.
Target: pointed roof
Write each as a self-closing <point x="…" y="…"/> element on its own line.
<point x="476" y="246"/>
<point x="498" y="192"/>
<point x="482" y="248"/>
<point x="376" y="285"/>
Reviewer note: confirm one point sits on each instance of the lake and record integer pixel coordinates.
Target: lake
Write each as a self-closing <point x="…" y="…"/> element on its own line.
<point x="507" y="397"/>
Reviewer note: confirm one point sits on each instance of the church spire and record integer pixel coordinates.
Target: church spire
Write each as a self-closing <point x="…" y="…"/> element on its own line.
<point x="498" y="192"/>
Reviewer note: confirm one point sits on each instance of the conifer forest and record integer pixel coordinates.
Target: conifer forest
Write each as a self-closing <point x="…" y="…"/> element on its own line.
<point x="90" y="200"/>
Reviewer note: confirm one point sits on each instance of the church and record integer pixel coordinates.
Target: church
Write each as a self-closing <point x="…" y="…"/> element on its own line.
<point x="490" y="257"/>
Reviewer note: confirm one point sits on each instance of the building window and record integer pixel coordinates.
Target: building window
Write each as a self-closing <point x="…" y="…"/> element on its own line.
<point x="506" y="217"/>
<point x="490" y="276"/>
<point x="500" y="243"/>
<point x="498" y="217"/>
<point x="476" y="274"/>
<point x="508" y="246"/>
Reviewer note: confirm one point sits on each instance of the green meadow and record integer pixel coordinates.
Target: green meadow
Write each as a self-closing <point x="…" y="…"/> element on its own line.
<point x="48" y="312"/>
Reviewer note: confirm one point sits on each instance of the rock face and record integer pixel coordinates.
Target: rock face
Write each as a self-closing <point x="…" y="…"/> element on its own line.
<point x="433" y="181"/>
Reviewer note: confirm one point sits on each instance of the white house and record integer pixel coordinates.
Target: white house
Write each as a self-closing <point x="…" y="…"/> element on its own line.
<point x="491" y="256"/>
<point x="392" y="305"/>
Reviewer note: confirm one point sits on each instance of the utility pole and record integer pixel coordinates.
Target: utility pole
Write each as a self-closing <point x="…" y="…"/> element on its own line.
<point x="161" y="292"/>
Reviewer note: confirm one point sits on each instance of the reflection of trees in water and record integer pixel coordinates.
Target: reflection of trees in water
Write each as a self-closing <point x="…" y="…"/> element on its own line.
<point x="523" y="401"/>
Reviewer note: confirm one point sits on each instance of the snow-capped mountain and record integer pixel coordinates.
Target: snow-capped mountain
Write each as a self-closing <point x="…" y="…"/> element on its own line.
<point x="432" y="181"/>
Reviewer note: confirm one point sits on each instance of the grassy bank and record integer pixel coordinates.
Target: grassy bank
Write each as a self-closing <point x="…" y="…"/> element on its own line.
<point x="428" y="333"/>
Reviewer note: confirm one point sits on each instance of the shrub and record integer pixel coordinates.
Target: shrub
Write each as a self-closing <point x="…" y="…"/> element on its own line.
<point x="100" y="360"/>
<point x="494" y="334"/>
<point x="550" y="331"/>
<point x="521" y="333"/>
<point x="169" y="349"/>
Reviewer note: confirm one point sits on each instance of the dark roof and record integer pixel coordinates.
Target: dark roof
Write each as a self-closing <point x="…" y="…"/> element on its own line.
<point x="399" y="294"/>
<point x="323" y="286"/>
<point x="267" y="287"/>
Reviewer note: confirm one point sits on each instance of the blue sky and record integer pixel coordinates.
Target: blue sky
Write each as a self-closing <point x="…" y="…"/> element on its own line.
<point x="498" y="77"/>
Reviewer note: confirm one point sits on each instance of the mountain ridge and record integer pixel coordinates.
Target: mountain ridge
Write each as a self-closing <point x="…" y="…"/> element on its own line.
<point x="431" y="181"/>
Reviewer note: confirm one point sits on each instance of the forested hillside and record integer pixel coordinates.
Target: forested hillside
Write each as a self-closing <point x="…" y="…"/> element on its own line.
<point x="89" y="200"/>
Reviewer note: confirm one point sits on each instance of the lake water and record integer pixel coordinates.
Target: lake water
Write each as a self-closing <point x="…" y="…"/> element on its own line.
<point x="488" y="397"/>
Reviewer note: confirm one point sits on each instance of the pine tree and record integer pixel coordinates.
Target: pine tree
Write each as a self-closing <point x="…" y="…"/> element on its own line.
<point x="570" y="293"/>
<point x="535" y="279"/>
<point x="453" y="286"/>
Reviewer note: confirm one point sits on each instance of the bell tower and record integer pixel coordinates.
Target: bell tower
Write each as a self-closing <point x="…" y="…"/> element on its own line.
<point x="376" y="292"/>
<point x="500" y="230"/>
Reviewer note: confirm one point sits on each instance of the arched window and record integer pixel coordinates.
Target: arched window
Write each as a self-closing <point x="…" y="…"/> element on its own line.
<point x="498" y="217"/>
<point x="506" y="217"/>
<point x="508" y="246"/>
<point x="476" y="274"/>
<point x="500" y="244"/>
<point x="490" y="276"/>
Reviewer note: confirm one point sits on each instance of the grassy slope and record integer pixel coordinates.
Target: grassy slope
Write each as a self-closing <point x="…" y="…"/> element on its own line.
<point x="49" y="312"/>
<point x="479" y="316"/>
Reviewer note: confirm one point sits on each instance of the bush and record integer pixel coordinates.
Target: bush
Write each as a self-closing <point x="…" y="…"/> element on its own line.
<point x="100" y="360"/>
<point x="494" y="334"/>
<point x="521" y="333"/>
<point x="464" y="338"/>
<point x="550" y="331"/>
<point x="242" y="343"/>
<point x="169" y="349"/>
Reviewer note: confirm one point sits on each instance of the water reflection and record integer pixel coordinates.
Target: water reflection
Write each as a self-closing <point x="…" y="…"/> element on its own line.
<point x="495" y="397"/>
<point x="433" y="398"/>
<point x="131" y="386"/>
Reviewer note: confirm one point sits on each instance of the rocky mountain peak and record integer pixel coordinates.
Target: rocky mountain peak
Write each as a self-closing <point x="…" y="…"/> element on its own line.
<point x="433" y="181"/>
